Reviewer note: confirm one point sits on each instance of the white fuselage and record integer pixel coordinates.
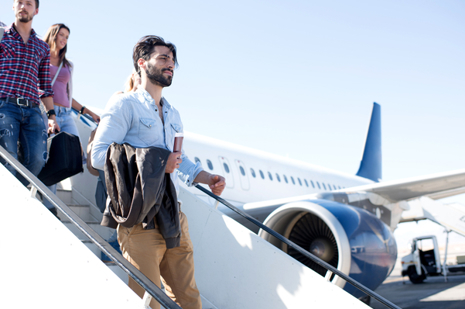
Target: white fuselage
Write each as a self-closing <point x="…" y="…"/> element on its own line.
<point x="302" y="178"/>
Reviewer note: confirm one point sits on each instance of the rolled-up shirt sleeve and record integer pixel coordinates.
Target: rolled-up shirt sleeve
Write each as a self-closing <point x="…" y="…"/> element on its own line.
<point x="188" y="170"/>
<point x="114" y="124"/>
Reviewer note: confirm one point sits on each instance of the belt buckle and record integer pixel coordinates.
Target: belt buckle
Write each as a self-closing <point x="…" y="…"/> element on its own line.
<point x="18" y="102"/>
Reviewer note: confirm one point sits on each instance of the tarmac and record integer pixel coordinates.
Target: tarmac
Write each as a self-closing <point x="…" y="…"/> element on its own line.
<point x="434" y="292"/>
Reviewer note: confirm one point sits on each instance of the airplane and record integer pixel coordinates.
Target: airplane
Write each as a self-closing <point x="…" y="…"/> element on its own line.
<point x="346" y="220"/>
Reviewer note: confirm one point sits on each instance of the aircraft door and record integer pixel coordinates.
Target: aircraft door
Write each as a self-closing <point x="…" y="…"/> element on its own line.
<point x="227" y="172"/>
<point x="244" y="179"/>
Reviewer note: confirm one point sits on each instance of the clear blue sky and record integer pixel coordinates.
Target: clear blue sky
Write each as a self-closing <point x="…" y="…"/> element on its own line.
<point x="294" y="78"/>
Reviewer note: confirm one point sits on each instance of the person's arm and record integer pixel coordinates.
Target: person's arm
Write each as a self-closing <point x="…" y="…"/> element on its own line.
<point x="113" y="127"/>
<point x="46" y="93"/>
<point x="216" y="183"/>
<point x="53" y="126"/>
<point x="91" y="170"/>
<point x="79" y="107"/>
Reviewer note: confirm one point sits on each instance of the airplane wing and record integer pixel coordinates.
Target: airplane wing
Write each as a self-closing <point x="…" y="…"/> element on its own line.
<point x="434" y="186"/>
<point x="387" y="200"/>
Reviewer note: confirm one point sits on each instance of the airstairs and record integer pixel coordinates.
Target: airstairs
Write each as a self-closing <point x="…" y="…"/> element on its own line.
<point x="51" y="263"/>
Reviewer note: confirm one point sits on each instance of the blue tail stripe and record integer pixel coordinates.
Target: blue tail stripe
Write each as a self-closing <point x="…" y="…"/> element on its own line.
<point x="371" y="165"/>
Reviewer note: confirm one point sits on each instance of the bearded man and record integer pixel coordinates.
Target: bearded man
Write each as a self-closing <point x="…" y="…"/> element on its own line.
<point x="24" y="83"/>
<point x="145" y="119"/>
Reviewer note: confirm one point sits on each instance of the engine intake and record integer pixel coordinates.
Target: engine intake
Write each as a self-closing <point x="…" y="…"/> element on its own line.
<point x="349" y="238"/>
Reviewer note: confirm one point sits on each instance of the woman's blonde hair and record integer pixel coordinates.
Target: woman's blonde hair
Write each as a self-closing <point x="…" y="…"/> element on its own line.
<point x="129" y="86"/>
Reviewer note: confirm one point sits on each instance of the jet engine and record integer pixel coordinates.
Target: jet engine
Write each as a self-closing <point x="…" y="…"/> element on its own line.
<point x="349" y="238"/>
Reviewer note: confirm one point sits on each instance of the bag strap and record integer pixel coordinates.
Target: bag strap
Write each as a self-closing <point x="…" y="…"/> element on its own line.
<point x="56" y="75"/>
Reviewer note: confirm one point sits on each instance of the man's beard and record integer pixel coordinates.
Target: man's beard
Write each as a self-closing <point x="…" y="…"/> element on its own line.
<point x="156" y="76"/>
<point x="25" y="18"/>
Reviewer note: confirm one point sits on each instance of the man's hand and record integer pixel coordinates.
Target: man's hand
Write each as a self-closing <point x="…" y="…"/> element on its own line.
<point x="216" y="184"/>
<point x="173" y="162"/>
<point x="53" y="127"/>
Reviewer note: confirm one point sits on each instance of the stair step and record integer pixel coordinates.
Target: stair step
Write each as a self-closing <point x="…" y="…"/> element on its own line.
<point x="83" y="211"/>
<point x="65" y="195"/>
<point x="103" y="231"/>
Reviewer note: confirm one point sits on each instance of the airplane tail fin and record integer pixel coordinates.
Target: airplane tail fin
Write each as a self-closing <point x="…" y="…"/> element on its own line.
<point x="371" y="165"/>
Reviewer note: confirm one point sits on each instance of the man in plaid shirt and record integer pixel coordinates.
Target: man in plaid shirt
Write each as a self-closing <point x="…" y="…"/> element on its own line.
<point x="25" y="81"/>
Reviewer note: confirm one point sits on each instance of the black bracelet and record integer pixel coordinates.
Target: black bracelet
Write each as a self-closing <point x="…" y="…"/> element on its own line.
<point x="82" y="110"/>
<point x="50" y="113"/>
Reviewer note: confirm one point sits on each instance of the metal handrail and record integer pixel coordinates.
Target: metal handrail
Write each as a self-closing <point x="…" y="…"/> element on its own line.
<point x="102" y="244"/>
<point x="331" y="270"/>
<point x="86" y="116"/>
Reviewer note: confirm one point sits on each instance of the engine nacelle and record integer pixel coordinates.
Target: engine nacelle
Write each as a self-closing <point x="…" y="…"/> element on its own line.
<point x="346" y="237"/>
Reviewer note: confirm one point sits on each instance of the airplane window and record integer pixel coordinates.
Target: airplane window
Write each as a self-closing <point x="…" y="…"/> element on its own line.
<point x="226" y="168"/>
<point x="313" y="185"/>
<point x="277" y="177"/>
<point x="252" y="172"/>
<point x="242" y="170"/>
<point x="318" y="185"/>
<point x="300" y="182"/>
<point x="329" y="187"/>
<point x="334" y="186"/>
<point x="292" y="179"/>
<point x="323" y="185"/>
<point x="285" y="178"/>
<point x="210" y="165"/>
<point x="340" y="188"/>
<point x="261" y="174"/>
<point x="269" y="175"/>
<point x="306" y="183"/>
<point x="197" y="160"/>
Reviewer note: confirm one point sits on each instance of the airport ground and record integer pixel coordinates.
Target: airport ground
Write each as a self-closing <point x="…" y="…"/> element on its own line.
<point x="434" y="292"/>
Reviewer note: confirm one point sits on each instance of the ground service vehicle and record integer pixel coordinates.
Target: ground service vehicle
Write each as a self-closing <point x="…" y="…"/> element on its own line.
<point x="424" y="260"/>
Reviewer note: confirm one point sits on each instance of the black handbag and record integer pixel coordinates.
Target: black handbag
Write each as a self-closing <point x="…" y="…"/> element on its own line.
<point x="65" y="158"/>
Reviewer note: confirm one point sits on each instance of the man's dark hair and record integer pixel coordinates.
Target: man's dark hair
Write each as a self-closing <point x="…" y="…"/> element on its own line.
<point x="145" y="47"/>
<point x="37" y="4"/>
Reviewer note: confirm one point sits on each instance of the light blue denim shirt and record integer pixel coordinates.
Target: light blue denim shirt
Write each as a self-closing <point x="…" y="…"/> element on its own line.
<point x="133" y="118"/>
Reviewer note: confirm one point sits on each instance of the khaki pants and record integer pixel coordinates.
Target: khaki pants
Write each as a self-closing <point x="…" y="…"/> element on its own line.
<point x="146" y="250"/>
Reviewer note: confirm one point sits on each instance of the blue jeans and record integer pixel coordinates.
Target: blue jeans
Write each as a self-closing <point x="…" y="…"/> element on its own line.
<point x="65" y="120"/>
<point x="66" y="123"/>
<point x="26" y="125"/>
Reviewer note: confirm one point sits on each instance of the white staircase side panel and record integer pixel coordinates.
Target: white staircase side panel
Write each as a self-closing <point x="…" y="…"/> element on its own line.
<point x="43" y="265"/>
<point x="234" y="268"/>
<point x="452" y="216"/>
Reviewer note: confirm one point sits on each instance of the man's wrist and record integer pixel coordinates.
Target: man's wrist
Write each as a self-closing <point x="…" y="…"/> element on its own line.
<point x="51" y="113"/>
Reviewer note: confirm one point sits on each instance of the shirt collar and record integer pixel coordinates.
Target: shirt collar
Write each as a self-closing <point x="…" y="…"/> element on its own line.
<point x="147" y="97"/>
<point x="12" y="31"/>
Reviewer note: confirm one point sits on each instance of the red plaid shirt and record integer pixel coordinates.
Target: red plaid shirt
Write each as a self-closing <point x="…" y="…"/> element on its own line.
<point x="24" y="68"/>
